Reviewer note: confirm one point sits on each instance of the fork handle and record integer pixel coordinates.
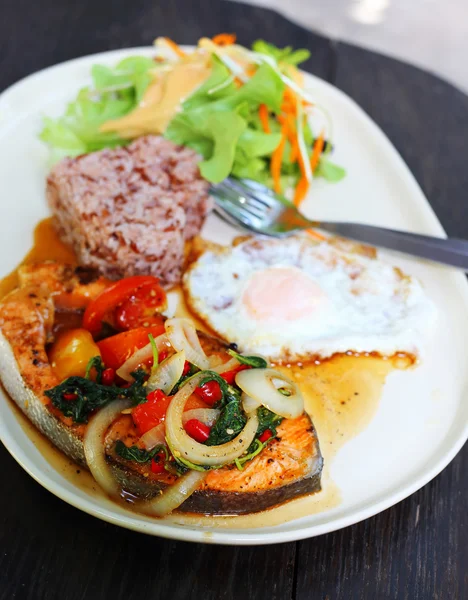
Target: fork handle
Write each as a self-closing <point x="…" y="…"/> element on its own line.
<point x="452" y="252"/>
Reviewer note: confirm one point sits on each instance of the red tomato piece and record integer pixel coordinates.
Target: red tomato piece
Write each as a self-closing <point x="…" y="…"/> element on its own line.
<point x="197" y="430"/>
<point x="142" y="308"/>
<point x="230" y="376"/>
<point x="115" y="350"/>
<point x="70" y="397"/>
<point x="187" y="367"/>
<point x="266" y="435"/>
<point x="210" y="392"/>
<point x="108" y="376"/>
<point x="157" y="463"/>
<point x="102" y="307"/>
<point x="152" y="412"/>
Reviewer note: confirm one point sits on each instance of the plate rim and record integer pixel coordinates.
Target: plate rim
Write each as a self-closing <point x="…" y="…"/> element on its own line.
<point x="256" y="536"/>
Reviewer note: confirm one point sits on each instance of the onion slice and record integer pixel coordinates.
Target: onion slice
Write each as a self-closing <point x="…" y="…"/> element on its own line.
<point x="208" y="416"/>
<point x="168" y="373"/>
<point x="173" y="496"/>
<point x="154" y="437"/>
<point x="249" y="404"/>
<point x="193" y="451"/>
<point x="141" y="356"/>
<point x="94" y="448"/>
<point x="183" y="336"/>
<point x="264" y="385"/>
<point x="225" y="367"/>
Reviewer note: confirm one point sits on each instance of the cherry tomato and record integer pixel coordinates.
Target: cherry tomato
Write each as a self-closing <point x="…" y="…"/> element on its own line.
<point x="210" y="392"/>
<point x="157" y="463"/>
<point x="115" y="350"/>
<point x="116" y="295"/>
<point x="266" y="435"/>
<point x="197" y="430"/>
<point x="142" y="308"/>
<point x="230" y="376"/>
<point x="108" y="376"/>
<point x="152" y="412"/>
<point x="71" y="353"/>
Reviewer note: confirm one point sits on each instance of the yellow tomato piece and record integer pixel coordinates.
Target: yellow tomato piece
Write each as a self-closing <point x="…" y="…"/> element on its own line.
<point x="71" y="353"/>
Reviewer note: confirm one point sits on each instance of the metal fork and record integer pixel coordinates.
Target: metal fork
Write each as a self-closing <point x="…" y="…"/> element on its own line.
<point x="258" y="209"/>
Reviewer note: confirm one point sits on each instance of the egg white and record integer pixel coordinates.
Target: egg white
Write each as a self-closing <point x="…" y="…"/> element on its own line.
<point x="369" y="305"/>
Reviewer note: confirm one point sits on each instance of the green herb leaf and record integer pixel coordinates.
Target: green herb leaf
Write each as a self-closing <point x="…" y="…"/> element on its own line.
<point x="257" y="362"/>
<point x="230" y="422"/>
<point x="267" y="420"/>
<point x="139" y="455"/>
<point x="98" y="365"/>
<point x="91" y="395"/>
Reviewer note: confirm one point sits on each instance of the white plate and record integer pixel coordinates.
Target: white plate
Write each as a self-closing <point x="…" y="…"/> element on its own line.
<point x="421" y="422"/>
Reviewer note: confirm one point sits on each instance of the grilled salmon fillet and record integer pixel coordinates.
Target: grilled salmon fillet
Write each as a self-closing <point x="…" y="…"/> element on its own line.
<point x="290" y="466"/>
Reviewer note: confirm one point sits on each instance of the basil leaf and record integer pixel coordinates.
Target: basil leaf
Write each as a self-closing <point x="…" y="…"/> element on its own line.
<point x="257" y="362"/>
<point x="98" y="365"/>
<point x="139" y="455"/>
<point x="91" y="395"/>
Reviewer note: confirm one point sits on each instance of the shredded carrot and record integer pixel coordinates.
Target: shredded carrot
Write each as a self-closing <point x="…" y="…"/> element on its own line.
<point x="301" y="190"/>
<point x="225" y="39"/>
<point x="263" y="114"/>
<point x="316" y="234"/>
<point x="318" y="147"/>
<point x="275" y="163"/>
<point x="175" y="47"/>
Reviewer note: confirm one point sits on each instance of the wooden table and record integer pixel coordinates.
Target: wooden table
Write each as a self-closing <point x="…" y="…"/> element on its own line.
<point x="416" y="550"/>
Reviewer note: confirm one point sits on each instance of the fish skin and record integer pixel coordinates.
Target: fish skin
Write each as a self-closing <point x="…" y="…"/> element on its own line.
<point x="26" y="317"/>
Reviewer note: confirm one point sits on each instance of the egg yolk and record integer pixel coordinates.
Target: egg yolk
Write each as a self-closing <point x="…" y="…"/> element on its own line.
<point x="282" y="294"/>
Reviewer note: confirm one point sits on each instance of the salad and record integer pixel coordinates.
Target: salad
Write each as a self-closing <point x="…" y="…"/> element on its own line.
<point x="245" y="111"/>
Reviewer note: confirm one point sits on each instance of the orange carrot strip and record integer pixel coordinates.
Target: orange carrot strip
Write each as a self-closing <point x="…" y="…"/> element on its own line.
<point x="175" y="47"/>
<point x="263" y="114"/>
<point x="224" y="39"/>
<point x="275" y="163"/>
<point x="301" y="190"/>
<point x="316" y="234"/>
<point x="318" y="147"/>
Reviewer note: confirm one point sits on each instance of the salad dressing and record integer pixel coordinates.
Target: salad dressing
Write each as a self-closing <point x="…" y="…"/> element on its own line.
<point x="163" y="98"/>
<point x="341" y="395"/>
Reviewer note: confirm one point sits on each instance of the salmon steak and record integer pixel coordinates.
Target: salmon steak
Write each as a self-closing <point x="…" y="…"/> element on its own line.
<point x="176" y="418"/>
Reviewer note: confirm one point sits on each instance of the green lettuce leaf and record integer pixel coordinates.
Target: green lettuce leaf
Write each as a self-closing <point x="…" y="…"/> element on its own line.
<point x="281" y="55"/>
<point x="329" y="171"/>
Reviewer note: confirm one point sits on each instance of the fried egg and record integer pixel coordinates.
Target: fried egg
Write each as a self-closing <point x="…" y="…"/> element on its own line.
<point x="295" y="298"/>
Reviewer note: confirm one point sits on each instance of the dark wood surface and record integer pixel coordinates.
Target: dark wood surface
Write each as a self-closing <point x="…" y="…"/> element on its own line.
<point x="416" y="550"/>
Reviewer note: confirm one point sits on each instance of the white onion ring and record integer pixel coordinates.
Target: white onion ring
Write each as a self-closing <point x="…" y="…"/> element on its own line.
<point x="140" y="356"/>
<point x="195" y="452"/>
<point x="94" y="447"/>
<point x="249" y="404"/>
<point x="263" y="385"/>
<point x="154" y="437"/>
<point x="173" y="496"/>
<point x="167" y="374"/>
<point x="183" y="336"/>
<point x="208" y="416"/>
<point x="227" y="366"/>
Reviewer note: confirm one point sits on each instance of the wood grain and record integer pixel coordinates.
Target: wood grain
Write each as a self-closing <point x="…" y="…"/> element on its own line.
<point x="416" y="550"/>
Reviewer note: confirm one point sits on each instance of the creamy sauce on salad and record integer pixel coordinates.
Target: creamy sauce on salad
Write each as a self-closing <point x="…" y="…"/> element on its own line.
<point x="163" y="98"/>
<point x="341" y="395"/>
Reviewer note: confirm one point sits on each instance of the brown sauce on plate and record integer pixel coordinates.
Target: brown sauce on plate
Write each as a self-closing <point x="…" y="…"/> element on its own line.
<point x="341" y="395"/>
<point x="47" y="245"/>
